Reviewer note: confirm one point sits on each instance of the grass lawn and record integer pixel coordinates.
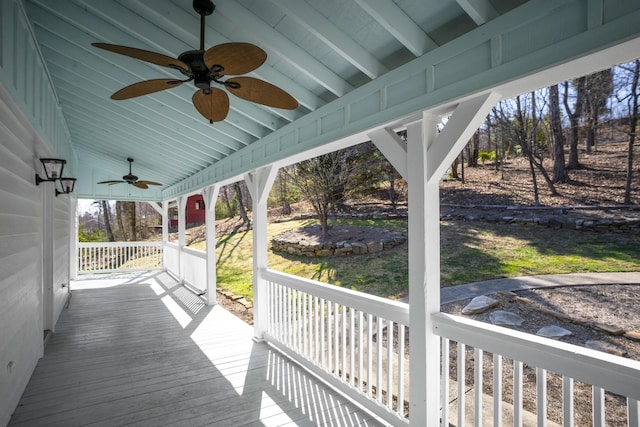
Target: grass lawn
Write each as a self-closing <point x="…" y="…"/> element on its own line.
<point x="470" y="252"/>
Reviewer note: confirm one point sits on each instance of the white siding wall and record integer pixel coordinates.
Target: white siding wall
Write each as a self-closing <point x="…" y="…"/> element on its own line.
<point x="31" y="127"/>
<point x="20" y="263"/>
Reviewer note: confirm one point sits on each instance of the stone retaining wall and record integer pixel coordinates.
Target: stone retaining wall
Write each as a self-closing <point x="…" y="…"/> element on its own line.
<point x="343" y="248"/>
<point x="605" y="225"/>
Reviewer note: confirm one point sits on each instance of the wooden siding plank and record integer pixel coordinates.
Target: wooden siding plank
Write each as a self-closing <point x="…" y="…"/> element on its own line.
<point x="118" y="356"/>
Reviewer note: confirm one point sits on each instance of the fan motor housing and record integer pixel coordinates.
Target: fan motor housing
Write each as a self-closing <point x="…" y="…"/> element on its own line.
<point x="195" y="60"/>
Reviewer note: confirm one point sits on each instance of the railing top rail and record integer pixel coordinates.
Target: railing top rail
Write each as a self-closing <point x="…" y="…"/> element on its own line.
<point x="117" y="244"/>
<point x="195" y="252"/>
<point x="612" y="373"/>
<point x="389" y="309"/>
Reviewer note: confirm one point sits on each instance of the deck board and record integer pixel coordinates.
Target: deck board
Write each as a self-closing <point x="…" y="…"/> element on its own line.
<point x="141" y="351"/>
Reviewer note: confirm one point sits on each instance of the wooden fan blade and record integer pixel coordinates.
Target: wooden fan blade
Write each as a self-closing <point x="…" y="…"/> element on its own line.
<point x="256" y="90"/>
<point x="144" y="55"/>
<point x="213" y="106"/>
<point x="148" y="182"/>
<point x="236" y="58"/>
<point x="144" y="88"/>
<point x="110" y="182"/>
<point x="140" y="185"/>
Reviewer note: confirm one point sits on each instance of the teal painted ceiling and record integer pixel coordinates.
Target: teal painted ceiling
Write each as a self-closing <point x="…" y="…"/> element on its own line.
<point x="318" y="51"/>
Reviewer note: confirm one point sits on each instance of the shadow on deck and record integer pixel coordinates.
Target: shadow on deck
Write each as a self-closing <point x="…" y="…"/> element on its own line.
<point x="141" y="349"/>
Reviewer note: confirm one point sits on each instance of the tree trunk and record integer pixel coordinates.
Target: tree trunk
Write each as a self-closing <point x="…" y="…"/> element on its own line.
<point x="227" y="201"/>
<point x="559" y="170"/>
<point x="574" y="120"/>
<point x="107" y="220"/>
<point x="130" y="217"/>
<point x="119" y="218"/>
<point x="454" y="168"/>
<point x="240" y="198"/>
<point x="633" y="124"/>
<point x="474" y="150"/>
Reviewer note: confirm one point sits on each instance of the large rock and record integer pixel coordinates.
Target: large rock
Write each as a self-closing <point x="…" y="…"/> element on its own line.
<point x="606" y="347"/>
<point x="609" y="329"/>
<point x="553" y="331"/>
<point x="479" y="304"/>
<point x="505" y="318"/>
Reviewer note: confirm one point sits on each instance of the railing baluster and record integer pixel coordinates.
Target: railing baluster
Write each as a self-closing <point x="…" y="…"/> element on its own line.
<point x="477" y="386"/>
<point x="369" y="355"/>
<point x="567" y="401"/>
<point x="461" y="360"/>
<point x="379" y="362"/>
<point x="360" y="349"/>
<point x="323" y="319"/>
<point x="497" y="390"/>
<point x="444" y="382"/>
<point x="352" y="343"/>
<point x="541" y="396"/>
<point x="401" y="343"/>
<point x="310" y="323"/>
<point x="389" y="364"/>
<point x="343" y="352"/>
<point x="316" y="331"/>
<point x="336" y="339"/>
<point x="330" y="314"/>
<point x="633" y="413"/>
<point x="598" y="406"/>
<point x="289" y="317"/>
<point x="517" y="393"/>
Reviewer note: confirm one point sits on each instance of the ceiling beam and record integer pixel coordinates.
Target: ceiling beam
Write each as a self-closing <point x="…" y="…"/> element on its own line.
<point x="481" y="11"/>
<point x="398" y="24"/>
<point x="286" y="49"/>
<point x="332" y="36"/>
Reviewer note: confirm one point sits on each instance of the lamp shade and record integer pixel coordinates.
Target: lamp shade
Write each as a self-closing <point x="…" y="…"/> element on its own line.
<point x="67" y="184"/>
<point x="53" y="168"/>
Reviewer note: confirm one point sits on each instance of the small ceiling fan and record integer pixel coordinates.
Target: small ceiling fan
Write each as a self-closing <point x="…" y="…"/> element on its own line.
<point x="203" y="67"/>
<point x="131" y="179"/>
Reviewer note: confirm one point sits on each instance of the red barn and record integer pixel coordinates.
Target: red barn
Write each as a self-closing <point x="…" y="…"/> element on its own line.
<point x="194" y="212"/>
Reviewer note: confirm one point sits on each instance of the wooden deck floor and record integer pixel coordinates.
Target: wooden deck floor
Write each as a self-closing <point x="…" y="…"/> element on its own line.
<point x="145" y="351"/>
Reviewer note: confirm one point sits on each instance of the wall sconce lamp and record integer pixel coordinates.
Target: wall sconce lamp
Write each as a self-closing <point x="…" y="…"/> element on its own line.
<point x="53" y="171"/>
<point x="67" y="185"/>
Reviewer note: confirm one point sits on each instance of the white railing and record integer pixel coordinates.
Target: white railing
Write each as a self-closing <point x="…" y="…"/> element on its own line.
<point x="354" y="341"/>
<point x="194" y="266"/>
<point x="542" y="377"/>
<point x="172" y="258"/>
<point x="107" y="257"/>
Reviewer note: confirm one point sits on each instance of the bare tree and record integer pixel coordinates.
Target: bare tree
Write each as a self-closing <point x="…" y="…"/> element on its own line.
<point x="322" y="181"/>
<point x="598" y="89"/>
<point x="237" y="186"/>
<point x="559" y="169"/>
<point x="633" y="101"/>
<point x="574" y="120"/>
<point x="106" y="211"/>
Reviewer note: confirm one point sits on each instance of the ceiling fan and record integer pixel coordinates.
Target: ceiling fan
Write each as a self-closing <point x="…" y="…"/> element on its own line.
<point x="203" y="67"/>
<point x="131" y="179"/>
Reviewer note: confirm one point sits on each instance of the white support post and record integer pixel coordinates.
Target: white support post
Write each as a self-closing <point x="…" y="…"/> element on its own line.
<point x="424" y="275"/>
<point x="259" y="184"/>
<point x="182" y="208"/>
<point x="73" y="240"/>
<point x="210" y="195"/>
<point x="165" y="230"/>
